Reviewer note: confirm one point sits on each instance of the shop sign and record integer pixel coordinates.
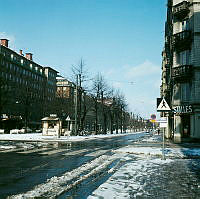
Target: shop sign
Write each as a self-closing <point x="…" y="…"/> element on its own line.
<point x="183" y="109"/>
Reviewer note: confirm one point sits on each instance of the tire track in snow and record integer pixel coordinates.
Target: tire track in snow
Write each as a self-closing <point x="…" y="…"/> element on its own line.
<point x="55" y="186"/>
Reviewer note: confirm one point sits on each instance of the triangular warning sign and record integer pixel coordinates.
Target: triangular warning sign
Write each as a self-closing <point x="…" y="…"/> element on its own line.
<point x="163" y="106"/>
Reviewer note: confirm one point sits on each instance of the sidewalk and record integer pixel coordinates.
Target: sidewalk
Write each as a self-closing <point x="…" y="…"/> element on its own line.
<point x="144" y="174"/>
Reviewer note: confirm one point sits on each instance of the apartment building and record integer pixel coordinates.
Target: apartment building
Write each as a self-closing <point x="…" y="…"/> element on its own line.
<point x="181" y="68"/>
<point x="26" y="87"/>
<point x="65" y="97"/>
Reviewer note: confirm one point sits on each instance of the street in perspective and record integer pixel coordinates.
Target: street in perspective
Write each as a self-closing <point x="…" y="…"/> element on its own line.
<point x="100" y="99"/>
<point x="110" y="166"/>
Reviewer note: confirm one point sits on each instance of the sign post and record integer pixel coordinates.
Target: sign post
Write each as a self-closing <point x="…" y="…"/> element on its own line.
<point x="162" y="106"/>
<point x="153" y="120"/>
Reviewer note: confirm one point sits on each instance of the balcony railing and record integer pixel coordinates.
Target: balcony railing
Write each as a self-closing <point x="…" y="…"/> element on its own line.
<point x="182" y="73"/>
<point x="181" y="10"/>
<point x="182" y="40"/>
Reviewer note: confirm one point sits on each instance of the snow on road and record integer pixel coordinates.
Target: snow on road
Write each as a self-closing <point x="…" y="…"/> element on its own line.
<point x="39" y="137"/>
<point x="139" y="162"/>
<point x="57" y="185"/>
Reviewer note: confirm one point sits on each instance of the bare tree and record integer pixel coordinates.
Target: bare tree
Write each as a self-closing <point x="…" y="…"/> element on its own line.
<point x="99" y="90"/>
<point x="117" y="112"/>
<point x="80" y="74"/>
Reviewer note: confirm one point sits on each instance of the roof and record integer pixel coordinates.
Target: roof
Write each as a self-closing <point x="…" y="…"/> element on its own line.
<point x="50" y="119"/>
<point x="49" y="68"/>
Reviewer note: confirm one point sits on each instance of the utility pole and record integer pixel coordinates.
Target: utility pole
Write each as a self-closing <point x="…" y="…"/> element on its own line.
<point x="76" y="104"/>
<point x="103" y="116"/>
<point x="80" y="102"/>
<point x="121" y="109"/>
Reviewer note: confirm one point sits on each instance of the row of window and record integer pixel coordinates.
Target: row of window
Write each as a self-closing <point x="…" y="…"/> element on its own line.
<point x="183" y="58"/>
<point x="182" y="92"/>
<point x="9" y="88"/>
<point x="50" y="90"/>
<point x="24" y="62"/>
<point x="21" y="71"/>
<point x="15" y="79"/>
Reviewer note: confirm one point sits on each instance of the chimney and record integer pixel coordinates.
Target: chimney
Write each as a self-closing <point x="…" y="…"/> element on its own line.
<point x="21" y="52"/>
<point x="29" y="56"/>
<point x="4" y="42"/>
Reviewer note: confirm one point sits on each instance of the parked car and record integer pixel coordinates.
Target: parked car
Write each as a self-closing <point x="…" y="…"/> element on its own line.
<point x="14" y="131"/>
<point x="25" y="130"/>
<point x="2" y="131"/>
<point x="38" y="130"/>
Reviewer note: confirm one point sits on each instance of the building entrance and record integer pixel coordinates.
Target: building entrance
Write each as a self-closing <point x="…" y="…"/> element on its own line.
<point x="185" y="120"/>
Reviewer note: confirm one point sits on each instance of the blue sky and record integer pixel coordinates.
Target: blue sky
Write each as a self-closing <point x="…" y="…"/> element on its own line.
<point x="122" y="39"/>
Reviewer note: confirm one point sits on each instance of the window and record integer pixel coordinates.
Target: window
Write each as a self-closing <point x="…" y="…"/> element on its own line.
<point x="185" y="92"/>
<point x="185" y="25"/>
<point x="183" y="58"/>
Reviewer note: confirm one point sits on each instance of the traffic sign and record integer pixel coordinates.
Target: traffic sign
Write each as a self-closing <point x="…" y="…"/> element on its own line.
<point x="68" y="118"/>
<point x="153" y="121"/>
<point x="163" y="106"/>
<point x="153" y="116"/>
<point x="162" y="122"/>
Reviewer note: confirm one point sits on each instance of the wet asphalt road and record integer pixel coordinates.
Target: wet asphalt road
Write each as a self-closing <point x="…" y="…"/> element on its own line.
<point x="21" y="170"/>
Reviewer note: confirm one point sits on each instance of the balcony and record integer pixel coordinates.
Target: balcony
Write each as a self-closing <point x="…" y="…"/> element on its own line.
<point x="181" y="10"/>
<point x="182" y="73"/>
<point x="182" y="40"/>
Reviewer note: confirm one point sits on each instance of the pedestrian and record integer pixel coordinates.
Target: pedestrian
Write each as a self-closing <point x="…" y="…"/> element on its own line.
<point x="158" y="131"/>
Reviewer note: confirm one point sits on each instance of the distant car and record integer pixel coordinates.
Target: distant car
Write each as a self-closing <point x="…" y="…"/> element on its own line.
<point x="38" y="130"/>
<point x="25" y="130"/>
<point x="14" y="131"/>
<point x="2" y="131"/>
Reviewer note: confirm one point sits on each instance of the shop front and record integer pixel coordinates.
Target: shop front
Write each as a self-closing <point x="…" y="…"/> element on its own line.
<point x="182" y="121"/>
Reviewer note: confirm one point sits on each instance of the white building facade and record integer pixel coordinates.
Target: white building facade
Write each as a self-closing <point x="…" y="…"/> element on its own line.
<point x="181" y="68"/>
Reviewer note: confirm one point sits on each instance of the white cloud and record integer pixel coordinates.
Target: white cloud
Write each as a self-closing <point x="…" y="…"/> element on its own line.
<point x="145" y="69"/>
<point x="141" y="96"/>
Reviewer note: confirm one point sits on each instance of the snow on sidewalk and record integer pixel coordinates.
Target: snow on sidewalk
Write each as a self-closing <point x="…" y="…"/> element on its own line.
<point x="143" y="165"/>
<point x="128" y="179"/>
<point x="155" y="151"/>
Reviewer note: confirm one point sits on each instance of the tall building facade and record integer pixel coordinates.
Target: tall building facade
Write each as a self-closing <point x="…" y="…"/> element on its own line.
<point x="26" y="87"/>
<point x="181" y="68"/>
<point x="65" y="97"/>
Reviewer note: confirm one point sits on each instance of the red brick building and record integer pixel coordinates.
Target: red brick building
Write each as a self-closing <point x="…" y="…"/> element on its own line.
<point x="26" y="87"/>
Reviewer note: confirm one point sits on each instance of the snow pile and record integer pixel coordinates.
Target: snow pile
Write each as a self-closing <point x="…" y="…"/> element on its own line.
<point x="25" y="146"/>
<point x="155" y="151"/>
<point x="2" y="147"/>
<point x="57" y="185"/>
<point x="155" y="138"/>
<point x="25" y="137"/>
<point x="40" y="137"/>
